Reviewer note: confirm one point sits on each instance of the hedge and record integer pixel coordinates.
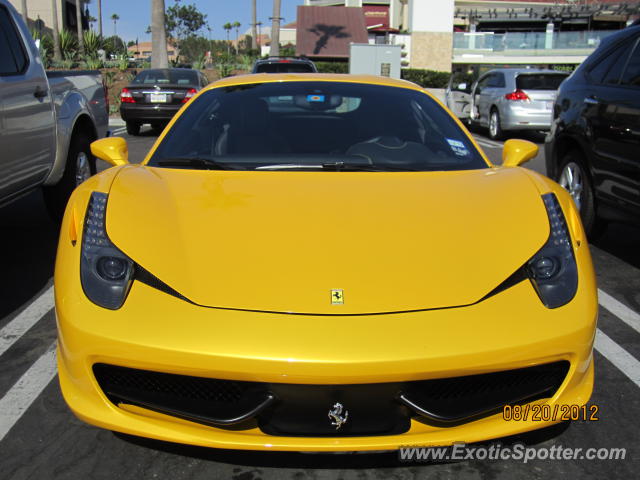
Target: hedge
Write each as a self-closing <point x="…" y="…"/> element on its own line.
<point x="332" y="67"/>
<point x="426" y="78"/>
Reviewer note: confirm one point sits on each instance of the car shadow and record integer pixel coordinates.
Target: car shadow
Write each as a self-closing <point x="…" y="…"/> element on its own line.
<point x="29" y="243"/>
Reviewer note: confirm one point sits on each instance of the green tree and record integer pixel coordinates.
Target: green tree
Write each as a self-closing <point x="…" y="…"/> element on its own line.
<point x="114" y="45"/>
<point x="115" y="17"/>
<point x="182" y="21"/>
<point x="236" y="25"/>
<point x="194" y="48"/>
<point x="228" y="26"/>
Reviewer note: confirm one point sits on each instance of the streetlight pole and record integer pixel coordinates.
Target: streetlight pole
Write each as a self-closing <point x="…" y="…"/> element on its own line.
<point x="275" y="29"/>
<point x="24" y="11"/>
<point x="254" y="40"/>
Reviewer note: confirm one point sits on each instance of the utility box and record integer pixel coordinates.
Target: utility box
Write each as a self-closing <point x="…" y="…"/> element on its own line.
<point x="375" y="59"/>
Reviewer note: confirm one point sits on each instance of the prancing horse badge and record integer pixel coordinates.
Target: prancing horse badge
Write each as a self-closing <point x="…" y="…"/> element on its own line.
<point x="337" y="296"/>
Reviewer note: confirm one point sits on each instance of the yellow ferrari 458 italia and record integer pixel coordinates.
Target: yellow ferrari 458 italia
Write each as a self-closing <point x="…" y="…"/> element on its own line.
<point x="321" y="263"/>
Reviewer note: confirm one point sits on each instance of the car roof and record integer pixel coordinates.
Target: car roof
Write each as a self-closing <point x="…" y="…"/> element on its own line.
<point x="313" y="77"/>
<point x="526" y="70"/>
<point x="280" y="59"/>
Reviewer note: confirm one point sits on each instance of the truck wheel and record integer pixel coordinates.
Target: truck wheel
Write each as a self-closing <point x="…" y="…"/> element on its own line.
<point x="133" y="128"/>
<point x="80" y="166"/>
<point x="573" y="177"/>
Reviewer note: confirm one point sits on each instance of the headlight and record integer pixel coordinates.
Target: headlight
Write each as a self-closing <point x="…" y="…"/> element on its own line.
<point x="553" y="269"/>
<point x="105" y="272"/>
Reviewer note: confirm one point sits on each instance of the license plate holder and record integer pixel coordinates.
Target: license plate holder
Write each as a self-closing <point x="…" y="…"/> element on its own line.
<point x="158" y="97"/>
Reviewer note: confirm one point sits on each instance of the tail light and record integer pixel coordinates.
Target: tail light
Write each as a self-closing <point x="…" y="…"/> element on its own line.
<point x="517" y="95"/>
<point x="126" y="97"/>
<point x="190" y="93"/>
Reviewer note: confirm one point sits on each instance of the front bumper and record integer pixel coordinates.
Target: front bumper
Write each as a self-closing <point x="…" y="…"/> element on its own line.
<point x="158" y="332"/>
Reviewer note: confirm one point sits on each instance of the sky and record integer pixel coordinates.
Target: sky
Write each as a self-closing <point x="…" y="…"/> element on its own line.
<point x="135" y="15"/>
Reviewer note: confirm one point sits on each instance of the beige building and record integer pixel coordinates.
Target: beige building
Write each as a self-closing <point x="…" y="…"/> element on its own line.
<point x="41" y="9"/>
<point x="143" y="50"/>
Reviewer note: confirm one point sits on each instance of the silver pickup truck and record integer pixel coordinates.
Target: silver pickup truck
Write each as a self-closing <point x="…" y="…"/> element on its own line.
<point x="47" y="119"/>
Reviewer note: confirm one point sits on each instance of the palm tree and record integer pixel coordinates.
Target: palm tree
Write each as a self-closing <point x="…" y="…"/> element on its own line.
<point x="100" y="18"/>
<point x="236" y="25"/>
<point x="159" y="57"/>
<point x="227" y="26"/>
<point x="275" y="30"/>
<point x="57" y="53"/>
<point x="115" y="17"/>
<point x="254" y="33"/>
<point x="79" y="26"/>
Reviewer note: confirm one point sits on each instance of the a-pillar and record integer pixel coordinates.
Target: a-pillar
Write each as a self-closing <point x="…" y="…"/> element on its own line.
<point x="431" y="27"/>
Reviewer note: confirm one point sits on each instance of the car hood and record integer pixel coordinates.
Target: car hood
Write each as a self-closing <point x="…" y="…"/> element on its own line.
<point x="282" y="241"/>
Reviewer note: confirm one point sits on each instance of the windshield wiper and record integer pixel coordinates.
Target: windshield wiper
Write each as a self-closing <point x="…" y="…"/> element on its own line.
<point x="365" y="167"/>
<point x="193" y="162"/>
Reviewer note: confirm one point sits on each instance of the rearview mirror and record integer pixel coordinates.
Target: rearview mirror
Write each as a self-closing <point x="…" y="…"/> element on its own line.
<point x="516" y="152"/>
<point x="112" y="150"/>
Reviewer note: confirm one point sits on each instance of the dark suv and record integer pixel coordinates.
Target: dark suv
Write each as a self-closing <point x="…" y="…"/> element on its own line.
<point x="284" y="65"/>
<point x="593" y="148"/>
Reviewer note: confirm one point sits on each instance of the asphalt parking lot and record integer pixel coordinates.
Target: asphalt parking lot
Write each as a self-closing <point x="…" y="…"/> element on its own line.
<point x="41" y="439"/>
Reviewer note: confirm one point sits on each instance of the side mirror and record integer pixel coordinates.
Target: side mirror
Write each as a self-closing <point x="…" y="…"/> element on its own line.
<point x="517" y="152"/>
<point x="112" y="150"/>
<point x="462" y="86"/>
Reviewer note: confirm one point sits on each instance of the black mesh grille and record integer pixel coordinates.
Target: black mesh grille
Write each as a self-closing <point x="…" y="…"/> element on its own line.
<point x="533" y="379"/>
<point x="376" y="409"/>
<point x="112" y="378"/>
<point x="460" y="399"/>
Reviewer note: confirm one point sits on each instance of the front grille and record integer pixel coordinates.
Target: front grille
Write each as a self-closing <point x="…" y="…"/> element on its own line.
<point x="302" y="410"/>
<point x="114" y="379"/>
<point x="463" y="398"/>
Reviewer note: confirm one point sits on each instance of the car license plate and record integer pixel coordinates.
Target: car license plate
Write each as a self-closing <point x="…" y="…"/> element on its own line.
<point x="158" y="98"/>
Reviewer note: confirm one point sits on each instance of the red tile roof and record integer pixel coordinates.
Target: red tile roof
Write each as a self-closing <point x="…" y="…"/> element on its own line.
<point x="328" y="31"/>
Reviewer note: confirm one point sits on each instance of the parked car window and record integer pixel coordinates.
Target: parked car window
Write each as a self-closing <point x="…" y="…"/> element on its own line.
<point x="483" y="82"/>
<point x="632" y="72"/>
<point x="540" y="81"/>
<point x="496" y="81"/>
<point x="176" y="77"/>
<point x="13" y="59"/>
<point x="284" y="68"/>
<point x="609" y="69"/>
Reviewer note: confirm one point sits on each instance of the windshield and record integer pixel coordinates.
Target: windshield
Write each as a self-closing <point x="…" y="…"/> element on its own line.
<point x="317" y="125"/>
<point x="540" y="81"/>
<point x="174" y="77"/>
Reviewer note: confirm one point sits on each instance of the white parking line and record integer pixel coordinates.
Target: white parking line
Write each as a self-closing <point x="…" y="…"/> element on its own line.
<point x="620" y="310"/>
<point x="623" y="360"/>
<point x="18" y="399"/>
<point x="25" y="320"/>
<point x="118" y="131"/>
